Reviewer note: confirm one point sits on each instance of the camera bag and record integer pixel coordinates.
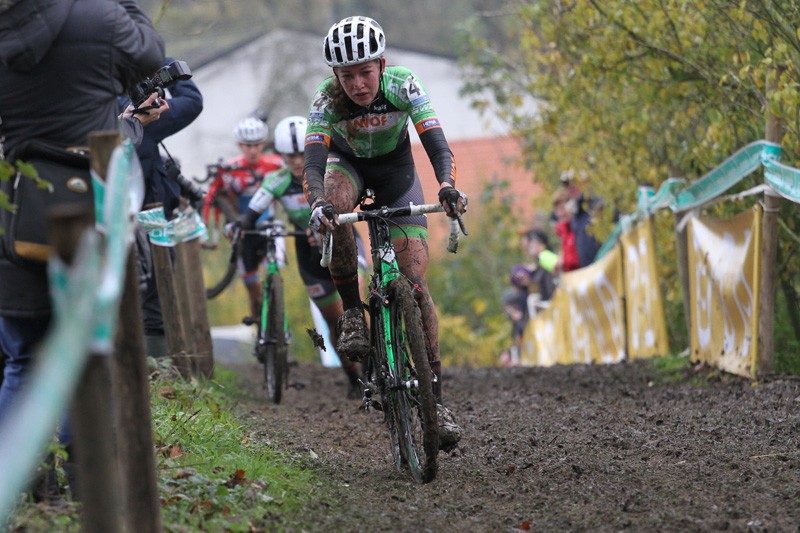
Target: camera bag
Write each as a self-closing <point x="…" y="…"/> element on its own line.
<point x="25" y="231"/>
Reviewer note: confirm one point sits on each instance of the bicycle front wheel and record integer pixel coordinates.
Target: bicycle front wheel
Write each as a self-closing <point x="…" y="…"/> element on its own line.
<point x="379" y="374"/>
<point x="275" y="340"/>
<point x="219" y="275"/>
<point x="413" y="403"/>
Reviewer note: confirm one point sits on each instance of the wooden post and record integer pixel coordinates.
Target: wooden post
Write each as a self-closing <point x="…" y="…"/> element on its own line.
<point x="184" y="361"/>
<point x="773" y="132"/>
<point x="167" y="295"/>
<point x="174" y="329"/>
<point x="91" y="414"/>
<point x="192" y="299"/>
<point x="134" y="427"/>
<point x="682" y="252"/>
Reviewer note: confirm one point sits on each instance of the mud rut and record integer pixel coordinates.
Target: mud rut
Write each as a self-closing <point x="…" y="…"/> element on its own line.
<point x="600" y="448"/>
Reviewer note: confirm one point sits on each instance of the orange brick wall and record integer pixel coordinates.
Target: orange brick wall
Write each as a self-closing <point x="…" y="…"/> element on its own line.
<point x="479" y="161"/>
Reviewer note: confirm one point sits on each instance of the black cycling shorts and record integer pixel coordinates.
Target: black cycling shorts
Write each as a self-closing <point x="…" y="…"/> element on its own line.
<point x="395" y="185"/>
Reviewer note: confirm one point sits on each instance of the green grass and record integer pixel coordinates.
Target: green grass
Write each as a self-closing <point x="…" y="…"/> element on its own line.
<point x="214" y="474"/>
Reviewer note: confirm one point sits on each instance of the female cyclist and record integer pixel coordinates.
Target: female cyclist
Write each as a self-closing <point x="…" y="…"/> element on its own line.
<point x="358" y="138"/>
<point x="286" y="185"/>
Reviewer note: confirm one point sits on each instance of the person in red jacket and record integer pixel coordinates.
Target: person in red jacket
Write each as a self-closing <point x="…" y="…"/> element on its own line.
<point x="252" y="136"/>
<point x="563" y="210"/>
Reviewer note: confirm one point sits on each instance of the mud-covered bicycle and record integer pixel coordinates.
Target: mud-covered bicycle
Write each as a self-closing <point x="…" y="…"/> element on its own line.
<point x="397" y="367"/>
<point x="272" y="327"/>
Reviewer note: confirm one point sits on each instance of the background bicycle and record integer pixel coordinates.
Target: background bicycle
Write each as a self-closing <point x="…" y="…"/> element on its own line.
<point x="219" y="207"/>
<point x="272" y="333"/>
<point x="397" y="367"/>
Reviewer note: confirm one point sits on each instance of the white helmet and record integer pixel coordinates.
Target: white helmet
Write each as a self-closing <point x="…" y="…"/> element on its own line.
<point x="352" y="41"/>
<point x="251" y="130"/>
<point x="290" y="135"/>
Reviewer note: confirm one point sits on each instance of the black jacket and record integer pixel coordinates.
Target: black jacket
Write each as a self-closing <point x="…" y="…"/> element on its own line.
<point x="62" y="65"/>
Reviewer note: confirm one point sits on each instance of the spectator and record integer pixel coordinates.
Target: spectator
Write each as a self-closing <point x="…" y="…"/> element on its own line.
<point x="95" y="48"/>
<point x="536" y="245"/>
<point x="578" y="246"/>
<point x="563" y="210"/>
<point x="185" y="104"/>
<point x="532" y="284"/>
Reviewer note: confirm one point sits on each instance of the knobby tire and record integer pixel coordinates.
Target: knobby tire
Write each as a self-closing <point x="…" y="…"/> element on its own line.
<point x="415" y="409"/>
<point x="378" y="369"/>
<point x="275" y="345"/>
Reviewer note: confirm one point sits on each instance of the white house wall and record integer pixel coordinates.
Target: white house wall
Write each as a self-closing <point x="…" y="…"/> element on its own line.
<point x="280" y="72"/>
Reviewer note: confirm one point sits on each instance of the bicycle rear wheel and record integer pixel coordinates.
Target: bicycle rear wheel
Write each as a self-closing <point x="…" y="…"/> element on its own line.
<point x="275" y="341"/>
<point x="219" y="276"/>
<point x="413" y="402"/>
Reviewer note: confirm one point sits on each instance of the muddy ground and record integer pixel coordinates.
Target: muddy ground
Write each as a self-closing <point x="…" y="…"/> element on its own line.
<point x="601" y="448"/>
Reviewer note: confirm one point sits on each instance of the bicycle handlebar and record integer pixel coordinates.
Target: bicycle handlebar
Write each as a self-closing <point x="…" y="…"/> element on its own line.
<point x="214" y="170"/>
<point x="274" y="232"/>
<point x="456" y="224"/>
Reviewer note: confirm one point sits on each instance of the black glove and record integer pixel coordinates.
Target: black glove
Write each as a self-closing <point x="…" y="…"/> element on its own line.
<point x="450" y="196"/>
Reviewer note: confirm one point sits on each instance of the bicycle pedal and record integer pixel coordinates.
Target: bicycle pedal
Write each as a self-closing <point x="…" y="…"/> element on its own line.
<point x="249" y="320"/>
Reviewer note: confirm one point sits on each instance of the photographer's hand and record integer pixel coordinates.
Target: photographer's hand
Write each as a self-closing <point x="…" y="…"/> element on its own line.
<point x="148" y="112"/>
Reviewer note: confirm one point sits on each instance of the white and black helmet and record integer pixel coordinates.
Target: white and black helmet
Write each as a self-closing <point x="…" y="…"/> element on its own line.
<point x="290" y="135"/>
<point x="251" y="130"/>
<point x="352" y="41"/>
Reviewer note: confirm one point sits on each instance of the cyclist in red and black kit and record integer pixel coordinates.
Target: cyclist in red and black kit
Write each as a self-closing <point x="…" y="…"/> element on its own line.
<point x="358" y="138"/>
<point x="241" y="184"/>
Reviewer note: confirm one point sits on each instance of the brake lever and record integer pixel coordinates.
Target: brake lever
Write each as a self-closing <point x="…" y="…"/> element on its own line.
<point x="454" y="208"/>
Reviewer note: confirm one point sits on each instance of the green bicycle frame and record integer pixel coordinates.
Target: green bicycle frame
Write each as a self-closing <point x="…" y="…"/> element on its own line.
<point x="272" y="268"/>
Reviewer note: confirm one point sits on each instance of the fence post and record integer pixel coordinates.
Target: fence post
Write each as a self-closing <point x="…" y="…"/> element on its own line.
<point x="134" y="426"/>
<point x="773" y="132"/>
<point x="192" y="297"/>
<point x="682" y="252"/>
<point x="92" y="415"/>
<point x="174" y="329"/>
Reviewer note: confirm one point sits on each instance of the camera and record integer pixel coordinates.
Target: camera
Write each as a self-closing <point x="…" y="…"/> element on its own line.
<point x="163" y="78"/>
<point x="189" y="189"/>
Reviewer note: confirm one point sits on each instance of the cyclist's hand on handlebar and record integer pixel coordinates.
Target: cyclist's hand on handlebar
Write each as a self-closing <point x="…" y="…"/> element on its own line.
<point x="322" y="216"/>
<point x="453" y="200"/>
<point x="233" y="228"/>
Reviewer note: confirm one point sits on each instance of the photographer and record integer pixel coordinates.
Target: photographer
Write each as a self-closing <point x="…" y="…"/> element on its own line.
<point x="62" y="65"/>
<point x="185" y="104"/>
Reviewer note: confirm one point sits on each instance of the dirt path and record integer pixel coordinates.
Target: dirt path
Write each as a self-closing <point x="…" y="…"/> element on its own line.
<point x="566" y="448"/>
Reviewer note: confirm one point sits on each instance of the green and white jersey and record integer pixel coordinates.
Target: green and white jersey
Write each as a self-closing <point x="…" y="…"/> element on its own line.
<point x="379" y="128"/>
<point x="282" y="186"/>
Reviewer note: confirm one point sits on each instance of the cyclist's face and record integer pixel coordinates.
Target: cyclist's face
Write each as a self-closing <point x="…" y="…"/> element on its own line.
<point x="294" y="162"/>
<point x="361" y="82"/>
<point x="251" y="152"/>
